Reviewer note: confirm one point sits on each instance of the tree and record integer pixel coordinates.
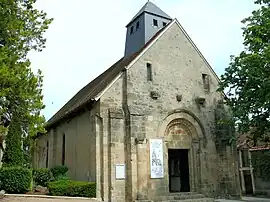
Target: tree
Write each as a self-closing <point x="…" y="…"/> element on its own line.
<point x="247" y="79"/>
<point x="21" y="30"/>
<point x="13" y="155"/>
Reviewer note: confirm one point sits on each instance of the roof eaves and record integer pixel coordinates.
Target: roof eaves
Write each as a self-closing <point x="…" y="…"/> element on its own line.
<point x="56" y="121"/>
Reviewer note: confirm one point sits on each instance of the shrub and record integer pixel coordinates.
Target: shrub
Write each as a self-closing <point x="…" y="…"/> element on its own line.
<point x="72" y="188"/>
<point x="59" y="171"/>
<point x="42" y="176"/>
<point x="13" y="154"/>
<point x="15" y="180"/>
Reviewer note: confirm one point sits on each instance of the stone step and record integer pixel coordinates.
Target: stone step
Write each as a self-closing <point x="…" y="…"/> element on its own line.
<point x="180" y="197"/>
<point x="176" y="197"/>
<point x="190" y="200"/>
<point x="183" y="200"/>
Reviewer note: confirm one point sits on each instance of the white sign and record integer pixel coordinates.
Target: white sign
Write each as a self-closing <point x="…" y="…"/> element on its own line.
<point x="156" y="158"/>
<point x="120" y="171"/>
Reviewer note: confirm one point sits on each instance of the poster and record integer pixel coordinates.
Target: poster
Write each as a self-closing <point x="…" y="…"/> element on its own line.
<point x="120" y="171"/>
<point x="156" y="158"/>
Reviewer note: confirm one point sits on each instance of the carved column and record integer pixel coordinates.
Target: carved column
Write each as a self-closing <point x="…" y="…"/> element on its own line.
<point x="193" y="166"/>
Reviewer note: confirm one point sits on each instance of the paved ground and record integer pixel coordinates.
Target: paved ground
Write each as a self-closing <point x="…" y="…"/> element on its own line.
<point x="246" y="199"/>
<point x="30" y="199"/>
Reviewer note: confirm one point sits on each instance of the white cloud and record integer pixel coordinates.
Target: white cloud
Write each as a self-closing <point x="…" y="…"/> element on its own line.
<point x="88" y="36"/>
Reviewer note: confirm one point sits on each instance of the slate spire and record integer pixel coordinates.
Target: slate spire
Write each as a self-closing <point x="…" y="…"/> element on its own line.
<point x="143" y="26"/>
<point x="151" y="8"/>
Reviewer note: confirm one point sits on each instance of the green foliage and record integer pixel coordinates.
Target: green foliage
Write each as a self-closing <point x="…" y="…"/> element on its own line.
<point x="15" y="180"/>
<point x="13" y="155"/>
<point x="42" y="176"/>
<point x="21" y="31"/>
<point x="224" y="127"/>
<point x="247" y="79"/>
<point x="72" y="188"/>
<point x="261" y="164"/>
<point x="59" y="171"/>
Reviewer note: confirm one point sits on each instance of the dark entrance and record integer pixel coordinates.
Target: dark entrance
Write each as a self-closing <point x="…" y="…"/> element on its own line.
<point x="248" y="183"/>
<point x="178" y="170"/>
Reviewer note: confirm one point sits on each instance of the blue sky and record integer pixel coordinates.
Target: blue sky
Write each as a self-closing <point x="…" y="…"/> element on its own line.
<point x="88" y="36"/>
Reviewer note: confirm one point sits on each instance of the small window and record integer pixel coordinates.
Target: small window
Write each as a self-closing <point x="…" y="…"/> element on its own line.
<point x="206" y="84"/>
<point x="47" y="154"/>
<point x="63" y="149"/>
<point x="164" y="24"/>
<point x="155" y="22"/>
<point x="131" y="30"/>
<point x="149" y="72"/>
<point x="137" y="25"/>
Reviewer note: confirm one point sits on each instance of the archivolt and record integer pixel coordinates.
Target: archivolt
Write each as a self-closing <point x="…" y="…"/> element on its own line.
<point x="186" y="119"/>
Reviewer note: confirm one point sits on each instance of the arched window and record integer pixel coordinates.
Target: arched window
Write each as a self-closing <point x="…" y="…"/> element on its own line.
<point x="47" y="154"/>
<point x="63" y="149"/>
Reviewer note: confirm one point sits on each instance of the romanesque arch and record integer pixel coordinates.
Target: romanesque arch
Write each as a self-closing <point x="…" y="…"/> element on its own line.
<point x="187" y="120"/>
<point x="182" y="130"/>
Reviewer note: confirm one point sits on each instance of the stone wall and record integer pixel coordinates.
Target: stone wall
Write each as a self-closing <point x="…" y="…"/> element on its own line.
<point x="177" y="71"/>
<point x="112" y="143"/>
<point x="130" y="117"/>
<point x="80" y="146"/>
<point x="133" y="111"/>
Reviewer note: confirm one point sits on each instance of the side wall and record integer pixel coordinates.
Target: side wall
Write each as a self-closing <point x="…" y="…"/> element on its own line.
<point x="80" y="146"/>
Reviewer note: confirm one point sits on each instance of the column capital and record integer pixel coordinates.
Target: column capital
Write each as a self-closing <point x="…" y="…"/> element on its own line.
<point x="140" y="140"/>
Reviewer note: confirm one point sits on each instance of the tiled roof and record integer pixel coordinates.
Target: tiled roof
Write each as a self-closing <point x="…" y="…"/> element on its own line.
<point x="92" y="89"/>
<point x="260" y="148"/>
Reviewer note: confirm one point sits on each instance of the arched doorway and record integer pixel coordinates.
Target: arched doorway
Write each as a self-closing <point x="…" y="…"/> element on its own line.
<point x="183" y="137"/>
<point x="179" y="140"/>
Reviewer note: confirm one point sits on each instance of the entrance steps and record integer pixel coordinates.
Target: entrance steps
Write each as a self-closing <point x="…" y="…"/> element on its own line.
<point x="178" y="197"/>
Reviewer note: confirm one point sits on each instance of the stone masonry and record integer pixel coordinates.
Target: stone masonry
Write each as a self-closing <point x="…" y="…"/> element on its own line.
<point x="177" y="106"/>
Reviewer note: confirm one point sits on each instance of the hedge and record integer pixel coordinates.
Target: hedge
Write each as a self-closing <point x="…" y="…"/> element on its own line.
<point x="15" y="180"/>
<point x="59" y="171"/>
<point x="42" y="176"/>
<point x="72" y="188"/>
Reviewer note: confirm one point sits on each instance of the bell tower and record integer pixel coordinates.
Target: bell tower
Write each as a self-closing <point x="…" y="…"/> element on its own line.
<point x="143" y="26"/>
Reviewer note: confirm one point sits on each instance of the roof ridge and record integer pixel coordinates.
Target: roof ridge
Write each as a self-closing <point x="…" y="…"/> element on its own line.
<point x="96" y="86"/>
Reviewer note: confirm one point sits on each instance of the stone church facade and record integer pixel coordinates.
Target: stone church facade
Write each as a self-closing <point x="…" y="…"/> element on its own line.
<point x="144" y="128"/>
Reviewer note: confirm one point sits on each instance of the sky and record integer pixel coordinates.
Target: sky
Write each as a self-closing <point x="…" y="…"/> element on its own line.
<point x="88" y="36"/>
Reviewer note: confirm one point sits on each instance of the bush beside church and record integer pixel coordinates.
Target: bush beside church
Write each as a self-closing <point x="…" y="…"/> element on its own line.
<point x="18" y="180"/>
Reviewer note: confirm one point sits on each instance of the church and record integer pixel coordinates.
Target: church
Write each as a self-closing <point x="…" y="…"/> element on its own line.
<point x="143" y="129"/>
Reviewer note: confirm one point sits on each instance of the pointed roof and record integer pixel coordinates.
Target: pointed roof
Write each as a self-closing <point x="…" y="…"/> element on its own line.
<point x="87" y="94"/>
<point x="149" y="7"/>
<point x="92" y="91"/>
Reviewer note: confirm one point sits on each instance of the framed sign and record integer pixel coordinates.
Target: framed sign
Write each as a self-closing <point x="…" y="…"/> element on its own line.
<point x="156" y="158"/>
<point x="120" y="171"/>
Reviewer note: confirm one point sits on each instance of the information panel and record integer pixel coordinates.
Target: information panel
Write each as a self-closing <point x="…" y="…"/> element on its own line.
<point x="156" y="158"/>
<point x="120" y="171"/>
